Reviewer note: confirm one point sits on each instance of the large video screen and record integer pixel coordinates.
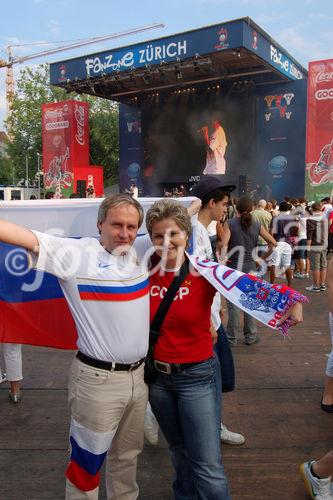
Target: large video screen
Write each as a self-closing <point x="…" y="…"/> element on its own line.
<point x="190" y="135"/>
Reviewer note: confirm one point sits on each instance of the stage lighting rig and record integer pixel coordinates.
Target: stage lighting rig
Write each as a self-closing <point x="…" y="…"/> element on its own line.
<point x="179" y="74"/>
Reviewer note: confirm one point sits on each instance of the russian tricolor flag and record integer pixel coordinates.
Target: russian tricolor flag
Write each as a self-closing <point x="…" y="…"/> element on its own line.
<point x="32" y="306"/>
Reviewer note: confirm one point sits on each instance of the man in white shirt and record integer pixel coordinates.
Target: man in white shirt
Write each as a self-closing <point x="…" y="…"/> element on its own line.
<point x="106" y="288"/>
<point x="214" y="197"/>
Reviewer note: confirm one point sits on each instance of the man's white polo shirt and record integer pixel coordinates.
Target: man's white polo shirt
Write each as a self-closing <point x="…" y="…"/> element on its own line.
<point x="108" y="295"/>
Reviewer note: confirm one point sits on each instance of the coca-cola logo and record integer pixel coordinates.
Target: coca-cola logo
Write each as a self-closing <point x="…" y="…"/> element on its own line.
<point x="324" y="94"/>
<point x="79" y="119"/>
<point x="55" y="113"/>
<point x="324" y="77"/>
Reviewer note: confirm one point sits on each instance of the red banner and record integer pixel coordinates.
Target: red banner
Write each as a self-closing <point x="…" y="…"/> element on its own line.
<point x="65" y="142"/>
<point x="319" y="137"/>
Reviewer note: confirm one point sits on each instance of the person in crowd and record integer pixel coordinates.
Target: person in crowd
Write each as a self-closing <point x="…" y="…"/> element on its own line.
<point x="269" y="207"/>
<point x="316" y="235"/>
<point x="326" y="206"/>
<point x="317" y="474"/>
<point x="231" y="208"/>
<point x="275" y="208"/>
<point x="107" y="393"/>
<point x="74" y="195"/>
<point x="12" y="354"/>
<point x="330" y="232"/>
<point x="33" y="197"/>
<point x="214" y="196"/>
<point x="283" y="228"/>
<point x="134" y="191"/>
<point x="239" y="241"/>
<point x="49" y="195"/>
<point x="90" y="192"/>
<point x="302" y="263"/>
<point x="261" y="215"/>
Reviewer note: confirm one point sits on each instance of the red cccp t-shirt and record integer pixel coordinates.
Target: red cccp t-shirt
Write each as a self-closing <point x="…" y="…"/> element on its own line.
<point x="185" y="332"/>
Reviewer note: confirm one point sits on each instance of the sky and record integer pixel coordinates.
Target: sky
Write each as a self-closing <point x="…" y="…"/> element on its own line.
<point x="303" y="27"/>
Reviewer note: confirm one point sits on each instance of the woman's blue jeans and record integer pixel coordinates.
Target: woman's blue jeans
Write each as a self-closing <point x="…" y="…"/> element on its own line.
<point x="187" y="406"/>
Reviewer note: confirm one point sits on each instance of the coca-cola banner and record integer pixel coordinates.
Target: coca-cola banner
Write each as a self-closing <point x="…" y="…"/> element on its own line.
<point x="319" y="136"/>
<point x="65" y="138"/>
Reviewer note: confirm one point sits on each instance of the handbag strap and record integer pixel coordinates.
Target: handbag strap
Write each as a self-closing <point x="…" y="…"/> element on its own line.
<point x="168" y="298"/>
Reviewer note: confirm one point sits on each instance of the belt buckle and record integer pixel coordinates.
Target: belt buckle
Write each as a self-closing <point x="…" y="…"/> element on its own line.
<point x="134" y="365"/>
<point x="163" y="367"/>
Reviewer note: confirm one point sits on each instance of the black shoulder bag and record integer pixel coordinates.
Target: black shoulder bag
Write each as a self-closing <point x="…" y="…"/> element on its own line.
<point x="155" y="326"/>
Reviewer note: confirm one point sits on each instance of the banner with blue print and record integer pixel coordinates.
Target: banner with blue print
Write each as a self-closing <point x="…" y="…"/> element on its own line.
<point x="280" y="140"/>
<point x="130" y="148"/>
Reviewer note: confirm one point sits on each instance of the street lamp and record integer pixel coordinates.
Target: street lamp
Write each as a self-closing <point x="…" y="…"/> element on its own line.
<point x="26" y="171"/>
<point x="39" y="173"/>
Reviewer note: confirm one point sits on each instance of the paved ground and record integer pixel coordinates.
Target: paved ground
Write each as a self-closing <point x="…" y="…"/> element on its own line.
<point x="276" y="406"/>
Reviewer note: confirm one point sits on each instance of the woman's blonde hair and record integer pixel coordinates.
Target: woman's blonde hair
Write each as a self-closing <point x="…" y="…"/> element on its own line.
<point x="168" y="209"/>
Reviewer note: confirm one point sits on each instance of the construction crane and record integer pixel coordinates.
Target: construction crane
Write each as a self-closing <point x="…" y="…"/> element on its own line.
<point x="79" y="43"/>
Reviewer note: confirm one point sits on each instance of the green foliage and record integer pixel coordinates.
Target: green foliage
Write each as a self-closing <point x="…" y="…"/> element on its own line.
<point x="6" y="170"/>
<point x="25" y="128"/>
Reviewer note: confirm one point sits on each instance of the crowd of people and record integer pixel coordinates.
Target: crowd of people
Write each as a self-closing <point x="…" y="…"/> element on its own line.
<point x="179" y="316"/>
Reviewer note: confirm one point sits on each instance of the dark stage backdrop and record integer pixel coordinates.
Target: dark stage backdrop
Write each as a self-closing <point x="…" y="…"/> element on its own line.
<point x="162" y="145"/>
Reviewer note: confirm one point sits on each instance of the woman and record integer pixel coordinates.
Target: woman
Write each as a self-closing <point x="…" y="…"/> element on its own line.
<point x="187" y="401"/>
<point x="12" y="354"/>
<point x="186" y="395"/>
<point x="239" y="239"/>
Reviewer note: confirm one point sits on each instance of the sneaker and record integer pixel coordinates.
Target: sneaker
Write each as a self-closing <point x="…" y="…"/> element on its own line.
<point x="317" y="488"/>
<point x="298" y="275"/>
<point x="229" y="437"/>
<point x="313" y="288"/>
<point x="323" y="287"/>
<point x="151" y="427"/>
<point x="3" y="377"/>
<point x="15" y="397"/>
<point x="306" y="275"/>
<point x="232" y="341"/>
<point x="251" y="339"/>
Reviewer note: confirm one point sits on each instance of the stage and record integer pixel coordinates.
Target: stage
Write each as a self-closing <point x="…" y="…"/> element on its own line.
<point x="222" y="100"/>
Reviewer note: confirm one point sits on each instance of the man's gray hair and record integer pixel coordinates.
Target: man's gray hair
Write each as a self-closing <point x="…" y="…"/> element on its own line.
<point x="168" y="209"/>
<point x="116" y="200"/>
<point x="262" y="204"/>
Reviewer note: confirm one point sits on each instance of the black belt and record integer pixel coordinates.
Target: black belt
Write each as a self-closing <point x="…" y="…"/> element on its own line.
<point x="106" y="365"/>
<point x="169" y="368"/>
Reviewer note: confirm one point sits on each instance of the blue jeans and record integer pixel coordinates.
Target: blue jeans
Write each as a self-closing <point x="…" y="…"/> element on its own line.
<point x="225" y="357"/>
<point x="187" y="406"/>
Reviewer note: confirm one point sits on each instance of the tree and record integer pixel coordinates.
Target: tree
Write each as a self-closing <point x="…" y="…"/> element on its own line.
<point x="25" y="120"/>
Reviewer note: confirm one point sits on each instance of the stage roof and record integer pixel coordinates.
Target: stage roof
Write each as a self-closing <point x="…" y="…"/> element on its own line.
<point x="238" y="52"/>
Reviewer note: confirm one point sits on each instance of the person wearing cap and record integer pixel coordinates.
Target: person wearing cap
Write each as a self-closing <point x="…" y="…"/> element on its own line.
<point x="214" y="196"/>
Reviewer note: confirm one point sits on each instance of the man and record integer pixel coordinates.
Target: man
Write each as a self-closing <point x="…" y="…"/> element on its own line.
<point x="282" y="229"/>
<point x="214" y="197"/>
<point x="107" y="293"/>
<point x="216" y="146"/>
<point x="316" y="242"/>
<point x="264" y="218"/>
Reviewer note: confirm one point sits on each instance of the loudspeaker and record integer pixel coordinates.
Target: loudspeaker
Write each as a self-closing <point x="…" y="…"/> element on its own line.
<point x="242" y="185"/>
<point x="81" y="187"/>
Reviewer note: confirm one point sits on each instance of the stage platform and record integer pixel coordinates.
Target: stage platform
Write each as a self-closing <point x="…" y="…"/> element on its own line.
<point x="276" y="406"/>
